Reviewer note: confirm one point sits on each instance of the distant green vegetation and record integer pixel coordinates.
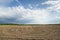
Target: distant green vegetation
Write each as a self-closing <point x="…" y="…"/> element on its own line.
<point x="30" y="24"/>
<point x="12" y="24"/>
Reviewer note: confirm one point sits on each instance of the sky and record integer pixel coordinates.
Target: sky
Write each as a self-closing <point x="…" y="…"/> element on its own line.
<point x="30" y="11"/>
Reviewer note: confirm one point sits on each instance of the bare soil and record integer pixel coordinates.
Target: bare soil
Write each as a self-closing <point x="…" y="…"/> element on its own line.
<point x="30" y="32"/>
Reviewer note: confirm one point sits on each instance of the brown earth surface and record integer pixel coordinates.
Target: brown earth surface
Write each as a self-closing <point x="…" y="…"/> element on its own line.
<point x="30" y="32"/>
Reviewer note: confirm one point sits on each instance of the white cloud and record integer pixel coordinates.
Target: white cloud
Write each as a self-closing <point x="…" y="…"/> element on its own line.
<point x="55" y="5"/>
<point x="54" y="9"/>
<point x="51" y="2"/>
<point x="36" y="16"/>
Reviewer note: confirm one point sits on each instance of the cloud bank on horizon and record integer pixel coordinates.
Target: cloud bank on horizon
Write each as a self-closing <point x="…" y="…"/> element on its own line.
<point x="30" y="11"/>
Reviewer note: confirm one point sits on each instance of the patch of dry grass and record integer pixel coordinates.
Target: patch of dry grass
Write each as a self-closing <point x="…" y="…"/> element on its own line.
<point x="32" y="32"/>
